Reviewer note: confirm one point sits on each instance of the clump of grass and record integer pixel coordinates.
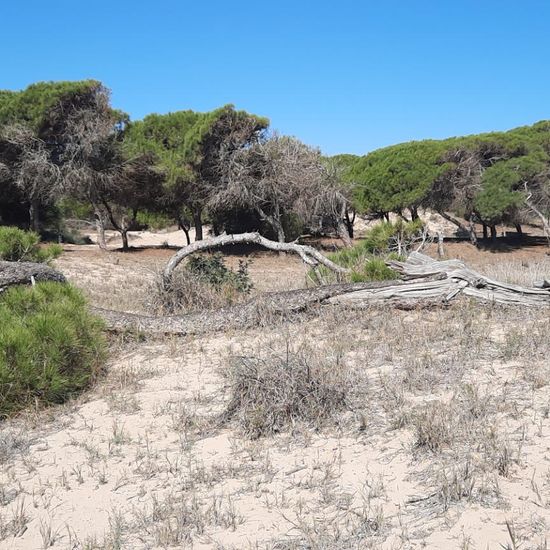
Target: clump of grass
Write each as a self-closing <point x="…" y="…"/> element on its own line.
<point x="17" y="245"/>
<point x="51" y="347"/>
<point x="270" y="394"/>
<point x="205" y="282"/>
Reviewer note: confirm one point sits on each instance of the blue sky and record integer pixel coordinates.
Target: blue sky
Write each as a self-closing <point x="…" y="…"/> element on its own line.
<point x="345" y="76"/>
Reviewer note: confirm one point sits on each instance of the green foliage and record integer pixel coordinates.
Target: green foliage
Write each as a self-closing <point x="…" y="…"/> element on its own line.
<point x="17" y="245"/>
<point x="397" y="177"/>
<point x="31" y="105"/>
<point x="366" y="259"/>
<point x="154" y="220"/>
<point x="50" y="345"/>
<point x="212" y="270"/>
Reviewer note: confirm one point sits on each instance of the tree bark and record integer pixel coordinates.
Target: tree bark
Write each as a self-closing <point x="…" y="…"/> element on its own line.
<point x="124" y="235"/>
<point x="472" y="232"/>
<point x="309" y="255"/>
<point x="34" y="215"/>
<point x="349" y="221"/>
<point x="485" y="232"/>
<point x="100" y="228"/>
<point x="26" y="273"/>
<point x="519" y="229"/>
<point x="197" y="220"/>
<point x="493" y="233"/>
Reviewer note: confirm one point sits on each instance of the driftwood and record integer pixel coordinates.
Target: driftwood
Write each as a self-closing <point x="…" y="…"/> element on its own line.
<point x="309" y="255"/>
<point x="26" y="273"/>
<point x="426" y="278"/>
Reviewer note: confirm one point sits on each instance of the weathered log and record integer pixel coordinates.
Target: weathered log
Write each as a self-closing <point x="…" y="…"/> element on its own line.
<point x="26" y="273"/>
<point x="309" y="255"/>
<point x="256" y="312"/>
<point x="453" y="279"/>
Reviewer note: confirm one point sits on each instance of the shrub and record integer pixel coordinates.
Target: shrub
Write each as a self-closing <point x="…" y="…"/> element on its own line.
<point x="17" y="245"/>
<point x="205" y="282"/>
<point x="367" y="258"/>
<point x="213" y="271"/>
<point x="273" y="393"/>
<point x="50" y="345"/>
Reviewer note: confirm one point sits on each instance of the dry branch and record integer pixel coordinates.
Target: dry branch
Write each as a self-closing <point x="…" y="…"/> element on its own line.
<point x="309" y="255"/>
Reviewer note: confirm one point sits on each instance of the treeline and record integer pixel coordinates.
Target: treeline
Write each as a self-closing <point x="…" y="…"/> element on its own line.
<point x="487" y="179"/>
<point x="65" y="152"/>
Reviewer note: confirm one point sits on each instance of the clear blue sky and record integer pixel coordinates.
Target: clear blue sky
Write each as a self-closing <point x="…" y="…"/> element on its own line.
<point x="346" y="76"/>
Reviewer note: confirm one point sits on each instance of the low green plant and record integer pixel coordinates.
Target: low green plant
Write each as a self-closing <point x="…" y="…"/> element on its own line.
<point x="212" y="270"/>
<point x="17" y="245"/>
<point x="367" y="259"/>
<point x="51" y="347"/>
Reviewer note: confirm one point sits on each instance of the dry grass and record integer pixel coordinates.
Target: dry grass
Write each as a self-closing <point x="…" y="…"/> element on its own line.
<point x="185" y="293"/>
<point x="275" y="391"/>
<point x="520" y="272"/>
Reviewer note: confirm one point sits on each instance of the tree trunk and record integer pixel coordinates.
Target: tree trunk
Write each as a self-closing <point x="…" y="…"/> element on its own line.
<point x="414" y="213"/>
<point x="519" y="229"/>
<point x="494" y="233"/>
<point x="440" y="250"/>
<point x="485" y="232"/>
<point x="184" y="228"/>
<point x="27" y="273"/>
<point x="197" y="220"/>
<point x="344" y="235"/>
<point x="100" y="228"/>
<point x="124" y="235"/>
<point x="34" y="215"/>
<point x="472" y="232"/>
<point x="349" y="221"/>
<point x="281" y="237"/>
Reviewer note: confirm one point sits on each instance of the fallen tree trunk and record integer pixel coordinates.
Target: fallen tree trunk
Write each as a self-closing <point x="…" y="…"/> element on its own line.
<point x="26" y="273"/>
<point x="259" y="311"/>
<point x="447" y="280"/>
<point x="309" y="255"/>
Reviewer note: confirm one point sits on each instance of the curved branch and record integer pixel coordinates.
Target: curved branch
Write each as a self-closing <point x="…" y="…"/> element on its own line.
<point x="309" y="255"/>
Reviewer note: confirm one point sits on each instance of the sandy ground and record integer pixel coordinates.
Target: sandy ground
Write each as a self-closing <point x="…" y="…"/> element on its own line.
<point x="445" y="443"/>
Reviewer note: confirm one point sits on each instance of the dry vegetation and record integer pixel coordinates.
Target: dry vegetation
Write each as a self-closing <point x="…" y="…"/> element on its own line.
<point x="353" y="429"/>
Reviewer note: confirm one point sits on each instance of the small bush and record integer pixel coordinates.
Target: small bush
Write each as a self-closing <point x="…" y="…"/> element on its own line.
<point x="213" y="271"/>
<point x="50" y="345"/>
<point x="273" y="393"/>
<point x="17" y="245"/>
<point x="204" y="283"/>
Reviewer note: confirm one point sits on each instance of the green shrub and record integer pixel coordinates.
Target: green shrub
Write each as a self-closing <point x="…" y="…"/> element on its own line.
<point x="50" y="345"/>
<point x="367" y="258"/>
<point x="212" y="270"/>
<point x="17" y="245"/>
